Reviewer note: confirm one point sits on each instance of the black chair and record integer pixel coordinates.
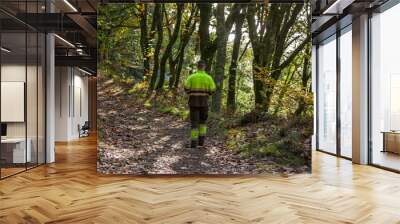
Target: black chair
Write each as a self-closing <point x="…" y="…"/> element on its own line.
<point x="84" y="130"/>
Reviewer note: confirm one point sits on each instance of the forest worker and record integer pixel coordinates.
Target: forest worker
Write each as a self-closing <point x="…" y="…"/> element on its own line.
<point x="199" y="86"/>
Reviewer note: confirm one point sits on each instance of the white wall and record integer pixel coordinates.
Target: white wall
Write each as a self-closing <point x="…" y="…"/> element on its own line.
<point x="71" y="102"/>
<point x="12" y="73"/>
<point x="62" y="81"/>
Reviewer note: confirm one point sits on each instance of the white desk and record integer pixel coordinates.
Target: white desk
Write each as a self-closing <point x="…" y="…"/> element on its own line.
<point x="18" y="144"/>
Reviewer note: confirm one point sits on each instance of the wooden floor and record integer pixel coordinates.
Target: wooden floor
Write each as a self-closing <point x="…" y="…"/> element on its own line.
<point x="387" y="159"/>
<point x="70" y="191"/>
<point x="5" y="172"/>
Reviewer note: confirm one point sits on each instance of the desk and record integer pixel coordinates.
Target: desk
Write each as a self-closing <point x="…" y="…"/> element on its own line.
<point x="391" y="141"/>
<point x="13" y="150"/>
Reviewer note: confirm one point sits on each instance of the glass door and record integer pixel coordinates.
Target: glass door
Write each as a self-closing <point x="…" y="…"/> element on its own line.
<point x="327" y="95"/>
<point x="346" y="72"/>
<point x="385" y="89"/>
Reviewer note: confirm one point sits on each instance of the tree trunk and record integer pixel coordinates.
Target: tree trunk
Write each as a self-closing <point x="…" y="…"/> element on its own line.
<point x="204" y="33"/>
<point x="306" y="75"/>
<point x="144" y="41"/>
<point x="287" y="22"/>
<point x="179" y="70"/>
<point x="221" y="57"/>
<point x="284" y="89"/>
<point x="258" y="52"/>
<point x="168" y="50"/>
<point x="223" y="29"/>
<point x="231" y="99"/>
<point x="172" y="71"/>
<point x="259" y="95"/>
<point x="185" y="38"/>
<point x="269" y="48"/>
<point x="159" y="26"/>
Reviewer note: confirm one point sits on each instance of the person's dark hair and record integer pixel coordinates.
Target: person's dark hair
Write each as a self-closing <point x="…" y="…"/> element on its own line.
<point x="201" y="64"/>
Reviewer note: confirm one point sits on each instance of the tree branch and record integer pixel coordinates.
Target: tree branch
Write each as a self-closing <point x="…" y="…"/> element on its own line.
<point x="295" y="52"/>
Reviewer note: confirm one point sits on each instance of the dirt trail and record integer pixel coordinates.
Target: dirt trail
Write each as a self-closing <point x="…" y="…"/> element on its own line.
<point x="136" y="140"/>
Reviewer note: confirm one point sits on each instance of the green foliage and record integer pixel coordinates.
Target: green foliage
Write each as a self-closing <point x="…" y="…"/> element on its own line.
<point x="183" y="114"/>
<point x="118" y="38"/>
<point x="287" y="142"/>
<point x="119" y="48"/>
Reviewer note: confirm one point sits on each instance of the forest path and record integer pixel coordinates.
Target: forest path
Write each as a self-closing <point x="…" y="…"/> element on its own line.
<point x="136" y="140"/>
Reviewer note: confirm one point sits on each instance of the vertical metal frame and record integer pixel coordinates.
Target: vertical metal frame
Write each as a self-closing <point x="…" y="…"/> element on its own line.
<point x="1" y="44"/>
<point x="37" y="91"/>
<point x="73" y="91"/>
<point x="338" y="76"/>
<point x="369" y="78"/>
<point x="69" y="92"/>
<point x="26" y="87"/>
<point x="317" y="97"/>
<point x="44" y="81"/>
<point x="45" y="88"/>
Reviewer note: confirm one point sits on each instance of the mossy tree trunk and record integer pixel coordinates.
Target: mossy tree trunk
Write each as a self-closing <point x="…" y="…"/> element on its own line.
<point x="144" y="40"/>
<point x="158" y="25"/>
<point x="223" y="29"/>
<point x="171" y="43"/>
<point x="305" y="78"/>
<point x="270" y="39"/>
<point x="231" y="99"/>
<point x="177" y="63"/>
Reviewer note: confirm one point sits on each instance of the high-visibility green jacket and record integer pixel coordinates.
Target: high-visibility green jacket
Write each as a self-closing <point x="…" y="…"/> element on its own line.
<point x="199" y="86"/>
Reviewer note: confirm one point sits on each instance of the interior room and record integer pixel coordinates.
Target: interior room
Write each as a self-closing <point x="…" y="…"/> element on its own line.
<point x="46" y="81"/>
<point x="48" y="88"/>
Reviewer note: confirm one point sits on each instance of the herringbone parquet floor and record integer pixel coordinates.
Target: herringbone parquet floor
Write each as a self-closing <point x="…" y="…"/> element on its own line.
<point x="70" y="191"/>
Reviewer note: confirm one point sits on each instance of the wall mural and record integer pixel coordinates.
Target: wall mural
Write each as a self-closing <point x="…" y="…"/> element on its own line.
<point x="209" y="88"/>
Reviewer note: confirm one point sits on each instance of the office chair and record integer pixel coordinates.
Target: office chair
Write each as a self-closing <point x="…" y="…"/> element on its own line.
<point x="84" y="130"/>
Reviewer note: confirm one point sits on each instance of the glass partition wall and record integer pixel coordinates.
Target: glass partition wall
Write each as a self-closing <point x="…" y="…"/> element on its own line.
<point x="346" y="71"/>
<point x="385" y="89"/>
<point x="22" y="77"/>
<point x="334" y="93"/>
<point x="334" y="105"/>
<point x="327" y="95"/>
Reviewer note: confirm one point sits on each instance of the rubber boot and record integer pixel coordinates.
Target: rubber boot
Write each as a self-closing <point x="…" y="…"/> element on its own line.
<point x="193" y="144"/>
<point x="201" y="140"/>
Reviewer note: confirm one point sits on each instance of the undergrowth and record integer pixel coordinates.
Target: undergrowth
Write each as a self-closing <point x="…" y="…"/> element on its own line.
<point x="287" y="141"/>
